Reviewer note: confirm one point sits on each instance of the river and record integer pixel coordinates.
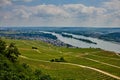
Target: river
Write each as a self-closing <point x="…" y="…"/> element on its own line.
<point x="105" y="45"/>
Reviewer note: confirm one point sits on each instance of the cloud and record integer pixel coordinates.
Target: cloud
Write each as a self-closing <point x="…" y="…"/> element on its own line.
<point x="113" y="12"/>
<point x="112" y="5"/>
<point x="20" y="13"/>
<point x="5" y="3"/>
<point x="49" y="11"/>
<point x="40" y="11"/>
<point x="108" y="14"/>
<point x="80" y="10"/>
<point x="65" y="11"/>
<point x="21" y="0"/>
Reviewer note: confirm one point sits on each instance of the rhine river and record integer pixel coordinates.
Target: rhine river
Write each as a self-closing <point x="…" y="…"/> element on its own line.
<point x="105" y="45"/>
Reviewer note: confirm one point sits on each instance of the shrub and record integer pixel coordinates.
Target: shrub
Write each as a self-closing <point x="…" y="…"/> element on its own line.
<point x="34" y="48"/>
<point x="61" y="59"/>
<point x="52" y="60"/>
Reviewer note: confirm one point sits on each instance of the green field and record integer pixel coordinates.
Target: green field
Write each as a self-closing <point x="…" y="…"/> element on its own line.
<point x="81" y="63"/>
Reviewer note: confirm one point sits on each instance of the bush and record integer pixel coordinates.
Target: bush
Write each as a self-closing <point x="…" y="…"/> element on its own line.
<point x="12" y="52"/>
<point x="61" y="59"/>
<point x="34" y="48"/>
<point x="2" y="46"/>
<point x="52" y="60"/>
<point x="37" y="72"/>
<point x="46" y="77"/>
<point x="25" y="65"/>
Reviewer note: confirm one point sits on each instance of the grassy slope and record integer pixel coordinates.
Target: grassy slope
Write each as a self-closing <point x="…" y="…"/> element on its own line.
<point x="78" y="56"/>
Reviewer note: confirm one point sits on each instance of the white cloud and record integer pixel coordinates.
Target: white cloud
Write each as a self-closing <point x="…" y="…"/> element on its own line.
<point x="107" y="14"/>
<point x="5" y="3"/>
<point x="48" y="11"/>
<point x="27" y="0"/>
<point x="80" y="10"/>
<point x="20" y="13"/>
<point x="65" y="11"/>
<point x="113" y="12"/>
<point x="112" y="5"/>
<point x="22" y="0"/>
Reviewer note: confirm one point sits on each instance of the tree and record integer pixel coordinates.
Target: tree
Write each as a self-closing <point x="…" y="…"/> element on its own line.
<point x="62" y="59"/>
<point x="52" y="60"/>
<point x="12" y="52"/>
<point x="34" y="47"/>
<point x="46" y="77"/>
<point x="9" y="70"/>
<point x="38" y="72"/>
<point x="2" y="46"/>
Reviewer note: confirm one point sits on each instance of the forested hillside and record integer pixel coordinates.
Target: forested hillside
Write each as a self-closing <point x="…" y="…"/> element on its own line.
<point x="11" y="69"/>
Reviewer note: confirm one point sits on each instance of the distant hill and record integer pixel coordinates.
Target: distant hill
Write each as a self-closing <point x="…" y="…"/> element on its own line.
<point x="109" y="34"/>
<point x="111" y="37"/>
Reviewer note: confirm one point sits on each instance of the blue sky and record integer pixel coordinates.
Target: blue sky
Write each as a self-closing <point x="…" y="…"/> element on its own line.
<point x="88" y="13"/>
<point x="61" y="2"/>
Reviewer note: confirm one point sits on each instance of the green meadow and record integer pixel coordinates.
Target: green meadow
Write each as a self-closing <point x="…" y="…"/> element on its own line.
<point x="78" y="61"/>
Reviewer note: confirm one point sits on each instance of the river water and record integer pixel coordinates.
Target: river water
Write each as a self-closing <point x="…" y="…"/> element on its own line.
<point x="105" y="45"/>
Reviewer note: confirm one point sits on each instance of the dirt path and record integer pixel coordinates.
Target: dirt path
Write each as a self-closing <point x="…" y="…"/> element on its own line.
<point x="30" y="49"/>
<point x="32" y="59"/>
<point x="24" y="57"/>
<point x="37" y="50"/>
<point x="117" y="54"/>
<point x="102" y="62"/>
<point x="24" y="49"/>
<point x="106" y="73"/>
<point x="103" y="72"/>
<point x="104" y="57"/>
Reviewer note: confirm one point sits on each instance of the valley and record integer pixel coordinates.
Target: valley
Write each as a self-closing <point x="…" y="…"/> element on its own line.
<point x="66" y="55"/>
<point x="81" y="63"/>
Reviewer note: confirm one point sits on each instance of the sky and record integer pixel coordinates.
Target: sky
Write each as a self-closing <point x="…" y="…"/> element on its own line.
<point x="60" y="13"/>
